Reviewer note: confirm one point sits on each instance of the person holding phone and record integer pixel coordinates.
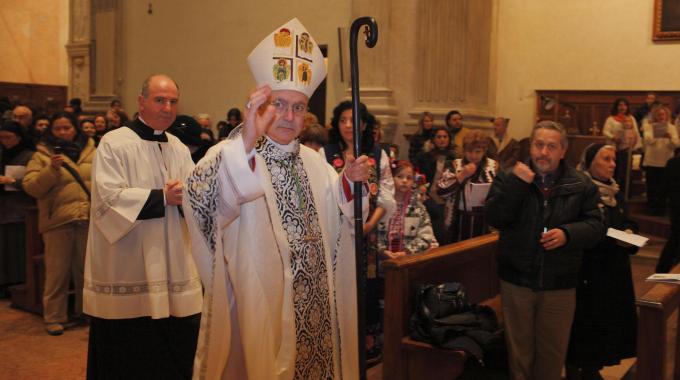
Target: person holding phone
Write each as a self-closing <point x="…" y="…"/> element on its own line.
<point x="58" y="176"/>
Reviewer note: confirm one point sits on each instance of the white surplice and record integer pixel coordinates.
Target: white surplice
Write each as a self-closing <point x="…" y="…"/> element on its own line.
<point x="243" y="256"/>
<point x="136" y="268"/>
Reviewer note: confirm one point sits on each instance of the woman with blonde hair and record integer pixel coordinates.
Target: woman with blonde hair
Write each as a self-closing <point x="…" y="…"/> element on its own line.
<point x="420" y="141"/>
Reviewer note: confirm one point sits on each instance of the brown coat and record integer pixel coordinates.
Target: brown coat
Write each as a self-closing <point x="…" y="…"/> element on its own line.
<point x="61" y="199"/>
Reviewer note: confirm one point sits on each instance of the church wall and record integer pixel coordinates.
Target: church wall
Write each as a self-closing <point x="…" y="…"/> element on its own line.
<point x="203" y="46"/>
<point x="32" y="38"/>
<point x="580" y="44"/>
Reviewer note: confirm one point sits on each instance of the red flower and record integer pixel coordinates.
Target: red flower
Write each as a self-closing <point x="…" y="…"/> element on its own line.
<point x="338" y="163"/>
<point x="371" y="161"/>
<point x="373" y="189"/>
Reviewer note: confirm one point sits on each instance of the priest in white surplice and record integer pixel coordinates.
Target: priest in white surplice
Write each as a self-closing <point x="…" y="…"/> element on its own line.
<point x="142" y="289"/>
<point x="271" y="228"/>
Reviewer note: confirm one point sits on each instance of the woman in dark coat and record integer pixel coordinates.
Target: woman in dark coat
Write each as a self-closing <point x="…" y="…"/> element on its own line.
<point x="605" y="323"/>
<point x="431" y="164"/>
<point x="442" y="151"/>
<point x="16" y="149"/>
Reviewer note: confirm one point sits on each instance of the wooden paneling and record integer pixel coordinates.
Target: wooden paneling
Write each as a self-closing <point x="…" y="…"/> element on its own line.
<point x="577" y="144"/>
<point x="580" y="110"/>
<point x="36" y="96"/>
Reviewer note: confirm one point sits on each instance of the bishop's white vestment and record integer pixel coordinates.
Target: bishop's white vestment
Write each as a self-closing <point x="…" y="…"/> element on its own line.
<point x="272" y="237"/>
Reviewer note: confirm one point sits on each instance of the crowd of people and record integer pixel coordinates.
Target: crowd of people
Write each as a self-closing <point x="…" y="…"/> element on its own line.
<point x="118" y="199"/>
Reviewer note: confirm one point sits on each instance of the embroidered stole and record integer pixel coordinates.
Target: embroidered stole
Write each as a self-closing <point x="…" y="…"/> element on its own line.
<point x="311" y="299"/>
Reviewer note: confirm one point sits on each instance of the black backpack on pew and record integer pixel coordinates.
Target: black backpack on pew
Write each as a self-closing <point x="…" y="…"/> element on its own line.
<point x="444" y="318"/>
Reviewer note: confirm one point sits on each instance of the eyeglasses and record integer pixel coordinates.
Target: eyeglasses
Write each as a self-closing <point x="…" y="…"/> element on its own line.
<point x="281" y="107"/>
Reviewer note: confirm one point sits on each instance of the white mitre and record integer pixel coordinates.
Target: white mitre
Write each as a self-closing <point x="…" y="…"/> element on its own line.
<point x="288" y="59"/>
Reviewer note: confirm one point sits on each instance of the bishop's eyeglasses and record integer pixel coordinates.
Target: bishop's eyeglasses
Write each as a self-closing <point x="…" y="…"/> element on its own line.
<point x="281" y="107"/>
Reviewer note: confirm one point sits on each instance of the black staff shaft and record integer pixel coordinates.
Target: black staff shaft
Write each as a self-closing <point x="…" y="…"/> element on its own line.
<point x="360" y="254"/>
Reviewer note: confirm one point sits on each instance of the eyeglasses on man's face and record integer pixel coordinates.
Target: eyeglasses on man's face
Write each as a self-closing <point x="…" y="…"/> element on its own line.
<point x="281" y="107"/>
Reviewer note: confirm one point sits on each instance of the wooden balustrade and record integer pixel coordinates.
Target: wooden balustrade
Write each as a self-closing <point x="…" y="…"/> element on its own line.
<point x="654" y="310"/>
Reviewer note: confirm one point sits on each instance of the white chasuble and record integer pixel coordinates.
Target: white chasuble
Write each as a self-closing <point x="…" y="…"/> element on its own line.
<point x="274" y="248"/>
<point x="137" y="268"/>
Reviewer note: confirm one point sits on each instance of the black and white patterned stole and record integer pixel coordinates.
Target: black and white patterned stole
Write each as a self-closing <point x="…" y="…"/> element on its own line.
<point x="311" y="300"/>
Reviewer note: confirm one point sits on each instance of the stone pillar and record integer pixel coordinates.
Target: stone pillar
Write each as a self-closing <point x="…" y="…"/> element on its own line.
<point x="79" y="50"/>
<point x="94" y="52"/>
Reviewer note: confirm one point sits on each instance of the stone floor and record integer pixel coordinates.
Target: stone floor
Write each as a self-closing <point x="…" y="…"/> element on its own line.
<point x="27" y="352"/>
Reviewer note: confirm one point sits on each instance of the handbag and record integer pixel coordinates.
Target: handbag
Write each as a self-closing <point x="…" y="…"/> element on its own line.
<point x="442" y="300"/>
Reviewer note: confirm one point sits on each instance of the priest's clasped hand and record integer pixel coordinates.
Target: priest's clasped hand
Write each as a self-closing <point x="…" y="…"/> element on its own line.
<point x="173" y="193"/>
<point x="357" y="170"/>
<point x="258" y="116"/>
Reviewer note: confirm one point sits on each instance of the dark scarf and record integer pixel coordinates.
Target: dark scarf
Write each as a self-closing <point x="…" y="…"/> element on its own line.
<point x="70" y="149"/>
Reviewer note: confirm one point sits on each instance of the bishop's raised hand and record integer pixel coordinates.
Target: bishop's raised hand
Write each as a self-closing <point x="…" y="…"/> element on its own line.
<point x="258" y="116"/>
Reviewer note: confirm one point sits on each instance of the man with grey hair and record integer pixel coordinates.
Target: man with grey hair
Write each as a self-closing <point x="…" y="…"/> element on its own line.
<point x="141" y="289"/>
<point x="547" y="213"/>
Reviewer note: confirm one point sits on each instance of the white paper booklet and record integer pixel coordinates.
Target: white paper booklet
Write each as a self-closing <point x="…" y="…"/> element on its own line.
<point x="16" y="172"/>
<point x="669" y="278"/>
<point x="636" y="240"/>
<point x="476" y="194"/>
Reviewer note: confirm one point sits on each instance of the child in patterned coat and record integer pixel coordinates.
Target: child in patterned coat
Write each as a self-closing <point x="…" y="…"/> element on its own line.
<point x="409" y="229"/>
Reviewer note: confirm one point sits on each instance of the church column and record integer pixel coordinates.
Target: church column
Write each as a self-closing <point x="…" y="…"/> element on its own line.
<point x="95" y="63"/>
<point x="78" y="48"/>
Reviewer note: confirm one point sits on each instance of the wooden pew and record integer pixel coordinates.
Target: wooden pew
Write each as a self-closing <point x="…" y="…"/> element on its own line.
<point x="472" y="263"/>
<point x="28" y="296"/>
<point x="654" y="310"/>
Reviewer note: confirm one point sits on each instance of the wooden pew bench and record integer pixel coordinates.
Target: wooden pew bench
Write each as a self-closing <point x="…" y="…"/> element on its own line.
<point x="28" y="296"/>
<point x="473" y="264"/>
<point x="655" y="310"/>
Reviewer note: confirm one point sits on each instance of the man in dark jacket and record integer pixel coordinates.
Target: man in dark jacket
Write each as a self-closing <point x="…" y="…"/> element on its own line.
<point x="547" y="213"/>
